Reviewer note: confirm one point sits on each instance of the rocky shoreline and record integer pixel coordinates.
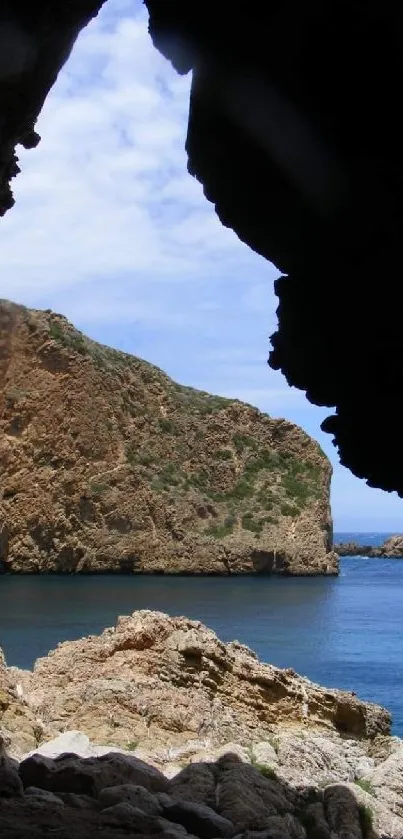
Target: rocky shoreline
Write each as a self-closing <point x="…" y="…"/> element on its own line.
<point x="157" y="727"/>
<point x="391" y="548"/>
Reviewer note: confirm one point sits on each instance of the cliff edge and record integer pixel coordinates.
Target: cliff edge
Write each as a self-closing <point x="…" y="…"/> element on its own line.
<point x="109" y="465"/>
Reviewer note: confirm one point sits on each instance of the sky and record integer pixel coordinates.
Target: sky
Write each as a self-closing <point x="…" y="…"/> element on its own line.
<point x="110" y="230"/>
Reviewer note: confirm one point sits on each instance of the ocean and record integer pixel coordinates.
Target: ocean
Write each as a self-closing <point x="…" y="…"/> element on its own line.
<point x="344" y="632"/>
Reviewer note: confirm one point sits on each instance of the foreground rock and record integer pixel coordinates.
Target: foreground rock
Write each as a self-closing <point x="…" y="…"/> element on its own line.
<point x="391" y="548"/>
<point x="19" y="725"/>
<point x="159" y="682"/>
<point x="212" y="800"/>
<point x="109" y="465"/>
<point x="184" y="736"/>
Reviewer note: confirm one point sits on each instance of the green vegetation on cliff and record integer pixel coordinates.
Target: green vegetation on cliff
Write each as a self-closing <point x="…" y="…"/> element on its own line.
<point x="124" y="462"/>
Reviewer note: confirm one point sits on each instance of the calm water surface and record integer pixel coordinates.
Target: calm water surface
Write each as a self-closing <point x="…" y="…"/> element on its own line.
<point x="344" y="632"/>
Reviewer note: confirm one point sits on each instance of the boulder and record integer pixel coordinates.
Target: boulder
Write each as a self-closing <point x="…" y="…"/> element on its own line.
<point x="195" y="783"/>
<point x="133" y="794"/>
<point x="198" y="819"/>
<point x="70" y="742"/>
<point x="78" y="802"/>
<point x="44" y="796"/>
<point x="247" y="798"/>
<point x="312" y="759"/>
<point x="385" y="821"/>
<point x="284" y="827"/>
<point x="124" y="813"/>
<point x="386" y="780"/>
<point x="88" y="776"/>
<point x="342" y="813"/>
<point x="314" y="820"/>
<point x="264" y="754"/>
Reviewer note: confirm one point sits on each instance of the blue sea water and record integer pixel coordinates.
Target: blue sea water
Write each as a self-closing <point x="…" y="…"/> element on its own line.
<point x="344" y="631"/>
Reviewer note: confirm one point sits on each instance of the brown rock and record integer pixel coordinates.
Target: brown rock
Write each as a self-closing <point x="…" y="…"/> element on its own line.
<point x="393" y="547"/>
<point x="109" y="465"/>
<point x="164" y="681"/>
<point x="19" y="728"/>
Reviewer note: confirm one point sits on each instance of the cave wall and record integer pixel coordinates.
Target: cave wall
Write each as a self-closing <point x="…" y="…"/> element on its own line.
<point x="296" y="135"/>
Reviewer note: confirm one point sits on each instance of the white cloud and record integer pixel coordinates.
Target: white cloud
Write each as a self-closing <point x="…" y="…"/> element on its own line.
<point x="107" y="190"/>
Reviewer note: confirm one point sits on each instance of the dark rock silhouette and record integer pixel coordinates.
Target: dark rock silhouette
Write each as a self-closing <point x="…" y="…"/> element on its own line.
<point x="58" y="799"/>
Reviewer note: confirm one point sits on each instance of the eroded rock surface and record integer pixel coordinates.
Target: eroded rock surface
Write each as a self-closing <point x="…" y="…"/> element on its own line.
<point x="164" y="683"/>
<point x="109" y="465"/>
<point x="19" y="726"/>
<point x="155" y="727"/>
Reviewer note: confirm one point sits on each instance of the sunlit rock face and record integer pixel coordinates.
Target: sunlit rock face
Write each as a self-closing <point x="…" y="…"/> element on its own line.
<point x="299" y="149"/>
<point x="108" y="465"/>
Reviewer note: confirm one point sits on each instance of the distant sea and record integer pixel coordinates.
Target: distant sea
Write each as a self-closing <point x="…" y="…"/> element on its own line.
<point x="344" y="632"/>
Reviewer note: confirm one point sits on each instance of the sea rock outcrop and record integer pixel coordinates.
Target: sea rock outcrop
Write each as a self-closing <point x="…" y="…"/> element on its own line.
<point x="390" y="548"/>
<point x="109" y="465"/>
<point x="162" y="682"/>
<point x="191" y="737"/>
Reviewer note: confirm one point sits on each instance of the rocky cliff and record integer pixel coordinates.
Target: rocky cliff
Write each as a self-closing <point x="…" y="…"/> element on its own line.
<point x="232" y="744"/>
<point x="109" y="465"/>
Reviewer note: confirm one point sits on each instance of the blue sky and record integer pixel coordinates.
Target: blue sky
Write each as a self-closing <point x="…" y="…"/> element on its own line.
<point x="111" y="230"/>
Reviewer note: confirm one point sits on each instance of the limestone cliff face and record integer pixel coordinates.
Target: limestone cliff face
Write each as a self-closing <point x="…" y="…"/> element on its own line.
<point x="109" y="465"/>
